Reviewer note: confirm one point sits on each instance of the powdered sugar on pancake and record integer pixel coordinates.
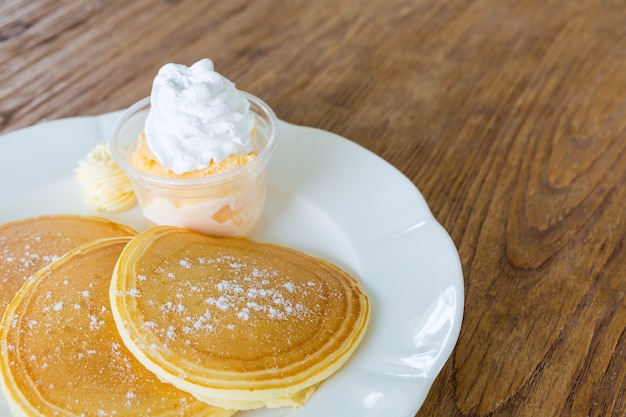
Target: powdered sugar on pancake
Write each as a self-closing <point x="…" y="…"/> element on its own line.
<point x="247" y="293"/>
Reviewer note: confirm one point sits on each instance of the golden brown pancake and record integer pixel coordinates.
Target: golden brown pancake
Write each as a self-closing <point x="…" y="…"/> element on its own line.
<point x="61" y="354"/>
<point x="29" y="244"/>
<point x="237" y="323"/>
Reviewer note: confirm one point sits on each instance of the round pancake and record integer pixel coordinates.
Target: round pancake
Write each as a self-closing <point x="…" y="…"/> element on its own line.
<point x="61" y="354"/>
<point x="237" y="323"/>
<point x="29" y="244"/>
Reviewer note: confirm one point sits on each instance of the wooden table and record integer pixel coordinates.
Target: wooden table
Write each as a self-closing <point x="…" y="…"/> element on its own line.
<point x="510" y="117"/>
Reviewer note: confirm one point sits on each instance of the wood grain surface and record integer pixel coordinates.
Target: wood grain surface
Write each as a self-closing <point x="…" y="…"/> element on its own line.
<point x="509" y="115"/>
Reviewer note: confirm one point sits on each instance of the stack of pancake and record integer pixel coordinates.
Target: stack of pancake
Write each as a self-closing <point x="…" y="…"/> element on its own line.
<point x="29" y="244"/>
<point x="171" y="322"/>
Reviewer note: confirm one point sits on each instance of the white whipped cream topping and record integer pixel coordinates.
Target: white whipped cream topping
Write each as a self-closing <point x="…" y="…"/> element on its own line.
<point x="196" y="115"/>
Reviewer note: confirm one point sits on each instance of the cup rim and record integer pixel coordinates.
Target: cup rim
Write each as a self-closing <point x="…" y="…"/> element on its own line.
<point x="258" y="163"/>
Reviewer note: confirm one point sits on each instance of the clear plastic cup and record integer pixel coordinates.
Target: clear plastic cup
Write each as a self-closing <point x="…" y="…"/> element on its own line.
<point x="226" y="204"/>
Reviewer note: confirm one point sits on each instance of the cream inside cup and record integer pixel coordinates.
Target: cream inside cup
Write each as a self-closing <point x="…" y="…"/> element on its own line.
<point x="227" y="204"/>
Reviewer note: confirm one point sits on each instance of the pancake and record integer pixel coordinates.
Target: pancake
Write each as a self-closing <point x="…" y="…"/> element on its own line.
<point x="29" y="244"/>
<point x="61" y="354"/>
<point x="237" y="323"/>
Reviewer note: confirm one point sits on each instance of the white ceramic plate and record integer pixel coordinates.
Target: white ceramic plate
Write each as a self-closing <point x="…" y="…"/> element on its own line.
<point x="329" y="197"/>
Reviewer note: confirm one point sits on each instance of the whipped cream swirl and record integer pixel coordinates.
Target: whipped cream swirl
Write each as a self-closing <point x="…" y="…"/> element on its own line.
<point x="104" y="184"/>
<point x="196" y="116"/>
